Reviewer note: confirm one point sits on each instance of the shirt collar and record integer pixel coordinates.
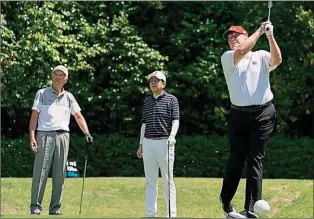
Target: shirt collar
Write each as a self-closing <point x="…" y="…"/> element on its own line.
<point x="163" y="93"/>
<point x="55" y="92"/>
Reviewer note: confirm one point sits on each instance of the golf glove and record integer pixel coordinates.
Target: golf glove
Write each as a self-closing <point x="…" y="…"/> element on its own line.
<point x="89" y="138"/>
<point x="171" y="141"/>
<point x="269" y="29"/>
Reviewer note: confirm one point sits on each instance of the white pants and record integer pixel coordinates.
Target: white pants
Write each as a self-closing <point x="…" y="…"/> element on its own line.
<point x="155" y="156"/>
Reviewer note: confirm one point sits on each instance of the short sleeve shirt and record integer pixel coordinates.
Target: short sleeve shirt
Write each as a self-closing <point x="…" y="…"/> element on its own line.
<point x="54" y="110"/>
<point x="248" y="80"/>
<point x="158" y="114"/>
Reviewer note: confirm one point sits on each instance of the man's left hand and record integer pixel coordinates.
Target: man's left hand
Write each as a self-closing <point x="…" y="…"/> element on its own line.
<point x="88" y="138"/>
<point x="171" y="141"/>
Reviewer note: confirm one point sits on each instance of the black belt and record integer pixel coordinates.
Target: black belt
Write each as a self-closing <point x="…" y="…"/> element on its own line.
<point x="59" y="131"/>
<point x="252" y="108"/>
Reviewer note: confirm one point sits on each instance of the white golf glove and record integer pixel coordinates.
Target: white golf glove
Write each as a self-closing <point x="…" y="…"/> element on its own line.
<point x="171" y="141"/>
<point x="269" y="29"/>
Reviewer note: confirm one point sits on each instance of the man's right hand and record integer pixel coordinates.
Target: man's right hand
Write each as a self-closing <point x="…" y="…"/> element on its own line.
<point x="33" y="145"/>
<point x="139" y="152"/>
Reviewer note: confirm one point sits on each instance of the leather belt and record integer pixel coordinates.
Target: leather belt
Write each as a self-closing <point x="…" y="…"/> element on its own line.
<point x="157" y="138"/>
<point x="59" y="131"/>
<point x="252" y="108"/>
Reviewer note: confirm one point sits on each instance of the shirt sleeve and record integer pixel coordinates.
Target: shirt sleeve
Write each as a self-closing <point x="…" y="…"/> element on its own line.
<point x="265" y="59"/>
<point x="175" y="109"/>
<point x="38" y="101"/>
<point x="74" y="107"/>
<point x="174" y="128"/>
<point x="227" y="62"/>
<point x="142" y="133"/>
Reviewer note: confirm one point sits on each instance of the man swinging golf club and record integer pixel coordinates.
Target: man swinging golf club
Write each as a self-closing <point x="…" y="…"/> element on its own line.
<point x="252" y="115"/>
<point x="160" y="123"/>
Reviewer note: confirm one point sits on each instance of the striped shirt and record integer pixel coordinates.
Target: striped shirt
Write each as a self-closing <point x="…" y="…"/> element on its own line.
<point x="159" y="113"/>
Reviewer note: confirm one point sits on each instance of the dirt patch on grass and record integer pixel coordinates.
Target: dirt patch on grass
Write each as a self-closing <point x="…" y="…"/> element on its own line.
<point x="10" y="211"/>
<point x="112" y="192"/>
<point x="278" y="188"/>
<point x="284" y="200"/>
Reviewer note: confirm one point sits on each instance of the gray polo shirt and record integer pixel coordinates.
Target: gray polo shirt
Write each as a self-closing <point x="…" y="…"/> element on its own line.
<point x="248" y="79"/>
<point x="54" y="110"/>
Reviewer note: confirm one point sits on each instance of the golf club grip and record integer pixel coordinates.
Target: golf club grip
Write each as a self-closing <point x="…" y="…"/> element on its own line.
<point x="267" y="27"/>
<point x="87" y="148"/>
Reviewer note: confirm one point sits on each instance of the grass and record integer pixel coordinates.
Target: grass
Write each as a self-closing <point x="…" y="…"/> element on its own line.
<point x="125" y="197"/>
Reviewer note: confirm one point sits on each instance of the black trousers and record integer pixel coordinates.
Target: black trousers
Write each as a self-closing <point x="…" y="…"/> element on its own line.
<point x="248" y="131"/>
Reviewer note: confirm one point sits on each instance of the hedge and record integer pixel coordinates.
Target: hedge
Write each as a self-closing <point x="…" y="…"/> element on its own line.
<point x="196" y="156"/>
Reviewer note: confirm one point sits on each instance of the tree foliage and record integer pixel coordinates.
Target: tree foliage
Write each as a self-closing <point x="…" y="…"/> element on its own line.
<point x="109" y="48"/>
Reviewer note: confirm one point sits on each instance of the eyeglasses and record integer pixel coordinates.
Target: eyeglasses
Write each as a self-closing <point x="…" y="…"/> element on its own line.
<point x="154" y="80"/>
<point x="233" y="35"/>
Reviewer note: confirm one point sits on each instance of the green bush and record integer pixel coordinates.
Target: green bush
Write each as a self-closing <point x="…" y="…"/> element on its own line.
<point x="196" y="156"/>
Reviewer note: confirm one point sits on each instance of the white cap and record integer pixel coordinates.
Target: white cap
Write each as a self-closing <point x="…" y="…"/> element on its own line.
<point x="158" y="74"/>
<point x="61" y="68"/>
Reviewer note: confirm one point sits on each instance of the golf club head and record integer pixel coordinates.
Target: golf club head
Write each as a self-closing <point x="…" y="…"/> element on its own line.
<point x="270" y="4"/>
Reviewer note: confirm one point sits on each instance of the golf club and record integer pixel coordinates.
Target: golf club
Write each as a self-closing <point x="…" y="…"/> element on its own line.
<point x="169" y="182"/>
<point x="86" y="156"/>
<point x="270" y="4"/>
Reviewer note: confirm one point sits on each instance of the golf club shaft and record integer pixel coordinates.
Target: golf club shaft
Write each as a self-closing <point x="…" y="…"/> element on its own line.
<point x="169" y="203"/>
<point x="270" y="4"/>
<point x="83" y="184"/>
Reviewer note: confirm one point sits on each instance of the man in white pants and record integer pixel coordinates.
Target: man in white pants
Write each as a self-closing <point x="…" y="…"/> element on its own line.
<point x="160" y="123"/>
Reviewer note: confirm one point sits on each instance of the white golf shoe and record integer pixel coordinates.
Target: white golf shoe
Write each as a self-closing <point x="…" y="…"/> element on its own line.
<point x="230" y="212"/>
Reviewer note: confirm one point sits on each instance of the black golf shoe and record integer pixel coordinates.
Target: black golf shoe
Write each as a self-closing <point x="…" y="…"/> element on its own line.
<point x="36" y="212"/>
<point x="58" y="212"/>
<point x="249" y="214"/>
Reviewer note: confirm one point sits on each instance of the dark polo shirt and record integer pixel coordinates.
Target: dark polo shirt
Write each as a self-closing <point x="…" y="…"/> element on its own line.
<point x="159" y="113"/>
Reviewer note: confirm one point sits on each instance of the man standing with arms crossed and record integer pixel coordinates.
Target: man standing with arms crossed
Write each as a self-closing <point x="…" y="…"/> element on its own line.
<point x="252" y="115"/>
<point x="160" y="123"/>
<point x="52" y="109"/>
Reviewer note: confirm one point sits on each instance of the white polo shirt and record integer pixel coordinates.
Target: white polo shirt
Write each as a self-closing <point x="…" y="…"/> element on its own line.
<point x="54" y="110"/>
<point x="248" y="80"/>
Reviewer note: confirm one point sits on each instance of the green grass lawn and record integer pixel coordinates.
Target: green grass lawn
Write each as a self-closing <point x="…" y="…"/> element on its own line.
<point x="125" y="197"/>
